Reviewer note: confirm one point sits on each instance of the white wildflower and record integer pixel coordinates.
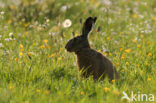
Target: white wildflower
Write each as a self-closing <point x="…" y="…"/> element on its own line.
<point x="11" y="34"/>
<point x="1" y="45"/>
<point x="64" y="8"/>
<point x="104" y="49"/>
<point x="47" y="20"/>
<point x="136" y="38"/>
<point x="6" y="28"/>
<point x="107" y="2"/>
<point x="116" y="42"/>
<point x="12" y="38"/>
<point x="67" y="23"/>
<point x="142" y="31"/>
<point x="141" y="16"/>
<point x="7" y="39"/>
<point x="52" y="33"/>
<point x="2" y="12"/>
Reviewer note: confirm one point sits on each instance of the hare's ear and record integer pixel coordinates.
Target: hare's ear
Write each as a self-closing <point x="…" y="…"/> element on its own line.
<point x="87" y="26"/>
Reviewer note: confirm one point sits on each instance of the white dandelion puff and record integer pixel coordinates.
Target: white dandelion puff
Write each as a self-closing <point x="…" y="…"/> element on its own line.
<point x="11" y="34"/>
<point x="67" y="23"/>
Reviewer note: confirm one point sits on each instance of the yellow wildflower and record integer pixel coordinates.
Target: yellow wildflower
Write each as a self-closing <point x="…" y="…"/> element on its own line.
<point x="117" y="93"/>
<point x="134" y="40"/>
<point x="121" y="49"/>
<point x="142" y="35"/>
<point x="11" y="6"/>
<point x="153" y="18"/>
<point x="146" y="64"/>
<point x="113" y="81"/>
<point x="59" y="58"/>
<point x="9" y="21"/>
<point x="110" y="54"/>
<point x="99" y="50"/>
<point x="42" y="46"/>
<point x="11" y="87"/>
<point x="117" y="64"/>
<point x="149" y="54"/>
<point x="123" y="70"/>
<point x="138" y="46"/>
<point x="34" y="44"/>
<point x="61" y="49"/>
<point x="26" y="25"/>
<point x="82" y="93"/>
<point x="21" y="46"/>
<point x="26" y="33"/>
<point x="97" y="4"/>
<point x="29" y="53"/>
<point x="115" y="58"/>
<point x="148" y="43"/>
<point x="16" y="59"/>
<point x="105" y="54"/>
<point x="52" y="55"/>
<point x="138" y="65"/>
<point x="38" y="91"/>
<point x="108" y="38"/>
<point x="134" y="16"/>
<point x="127" y="1"/>
<point x="45" y="41"/>
<point x="122" y="56"/>
<point x="128" y="50"/>
<point x="149" y="79"/>
<point x="47" y="92"/>
<point x="20" y="54"/>
<point x="21" y="50"/>
<point x="127" y="63"/>
<point x="107" y="89"/>
<point x="76" y="34"/>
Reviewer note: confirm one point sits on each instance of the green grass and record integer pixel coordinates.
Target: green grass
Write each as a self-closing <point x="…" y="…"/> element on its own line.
<point x="35" y="68"/>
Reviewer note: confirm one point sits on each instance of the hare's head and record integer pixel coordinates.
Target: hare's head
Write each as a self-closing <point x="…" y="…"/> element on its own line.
<point x="80" y="42"/>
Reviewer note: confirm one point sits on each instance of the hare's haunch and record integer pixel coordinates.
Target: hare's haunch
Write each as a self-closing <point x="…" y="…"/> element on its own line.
<point x="90" y="61"/>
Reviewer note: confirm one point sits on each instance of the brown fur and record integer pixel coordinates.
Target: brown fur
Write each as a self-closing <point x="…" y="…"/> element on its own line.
<point x="96" y="64"/>
<point x="90" y="61"/>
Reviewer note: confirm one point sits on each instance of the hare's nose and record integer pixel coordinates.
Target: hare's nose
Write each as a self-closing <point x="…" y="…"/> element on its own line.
<point x="67" y="46"/>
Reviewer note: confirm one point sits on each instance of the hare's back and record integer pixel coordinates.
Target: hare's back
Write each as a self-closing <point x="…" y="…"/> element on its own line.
<point x="102" y="62"/>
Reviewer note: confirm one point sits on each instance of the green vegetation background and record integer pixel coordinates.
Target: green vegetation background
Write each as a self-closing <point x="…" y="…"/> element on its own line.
<point x="35" y="68"/>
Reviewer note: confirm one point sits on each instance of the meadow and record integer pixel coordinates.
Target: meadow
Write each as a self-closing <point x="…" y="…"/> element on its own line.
<point x="36" y="68"/>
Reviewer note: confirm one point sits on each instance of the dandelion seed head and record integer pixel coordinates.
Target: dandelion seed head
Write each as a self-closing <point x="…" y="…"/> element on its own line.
<point x="67" y="23"/>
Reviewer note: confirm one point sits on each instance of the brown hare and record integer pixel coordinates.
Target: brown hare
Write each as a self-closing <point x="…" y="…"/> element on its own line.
<point x="90" y="61"/>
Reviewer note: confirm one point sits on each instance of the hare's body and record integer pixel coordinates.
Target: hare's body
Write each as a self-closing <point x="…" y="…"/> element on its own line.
<point x="90" y="61"/>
